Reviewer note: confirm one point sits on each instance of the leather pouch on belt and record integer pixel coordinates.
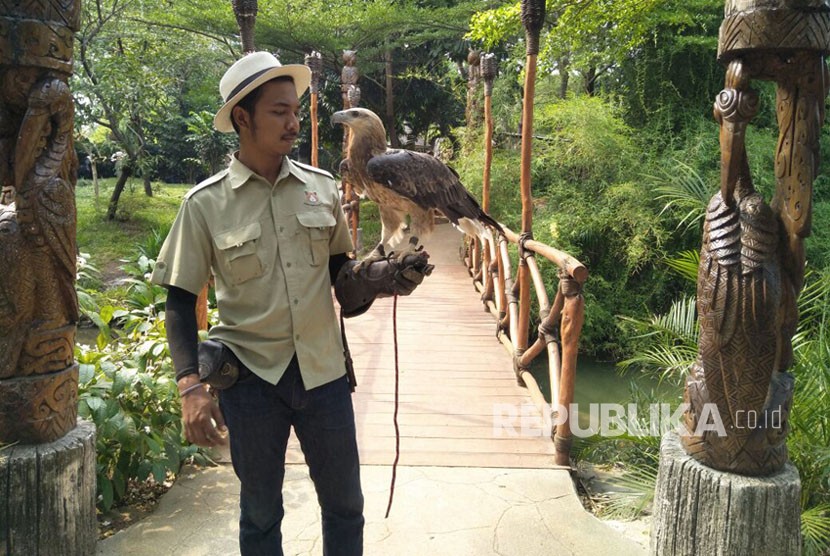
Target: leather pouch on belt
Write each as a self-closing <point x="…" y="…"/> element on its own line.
<point x="218" y="366"/>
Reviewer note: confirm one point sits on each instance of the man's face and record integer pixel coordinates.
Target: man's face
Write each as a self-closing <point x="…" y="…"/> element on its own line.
<point x="275" y="124"/>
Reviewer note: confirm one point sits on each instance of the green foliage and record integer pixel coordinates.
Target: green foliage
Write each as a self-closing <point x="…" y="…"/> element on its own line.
<point x="108" y="242"/>
<point x="211" y="146"/>
<point x="684" y="191"/>
<point x="590" y="200"/>
<point x="672" y="341"/>
<point x="127" y="389"/>
<point x="672" y="347"/>
<point x="685" y="264"/>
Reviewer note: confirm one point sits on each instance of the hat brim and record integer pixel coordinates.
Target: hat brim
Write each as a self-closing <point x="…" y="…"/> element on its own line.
<point x="298" y="72"/>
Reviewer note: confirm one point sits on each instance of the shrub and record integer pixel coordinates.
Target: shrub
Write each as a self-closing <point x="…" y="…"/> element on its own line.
<point x="127" y="389"/>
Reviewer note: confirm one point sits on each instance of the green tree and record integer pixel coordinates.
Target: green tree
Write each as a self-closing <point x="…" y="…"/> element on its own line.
<point x="132" y="78"/>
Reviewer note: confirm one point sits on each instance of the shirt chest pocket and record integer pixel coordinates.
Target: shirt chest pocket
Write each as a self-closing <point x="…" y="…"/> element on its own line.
<point x="237" y="253"/>
<point x="317" y="227"/>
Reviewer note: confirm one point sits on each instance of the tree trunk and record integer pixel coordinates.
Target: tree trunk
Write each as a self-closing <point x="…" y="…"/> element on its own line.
<point x="126" y="172"/>
<point x="390" y="101"/>
<point x="590" y="80"/>
<point x="94" y="165"/>
<point x="148" y="186"/>
<point x="564" y="77"/>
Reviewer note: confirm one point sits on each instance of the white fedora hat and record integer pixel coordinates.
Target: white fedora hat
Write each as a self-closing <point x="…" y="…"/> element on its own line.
<point x="248" y="73"/>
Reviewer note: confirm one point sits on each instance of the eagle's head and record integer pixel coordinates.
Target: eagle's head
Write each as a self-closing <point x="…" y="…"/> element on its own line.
<point x="359" y="120"/>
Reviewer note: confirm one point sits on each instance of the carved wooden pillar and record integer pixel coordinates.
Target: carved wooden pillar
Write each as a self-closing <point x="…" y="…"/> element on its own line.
<point x="351" y="97"/>
<point x="47" y="478"/>
<point x="38" y="170"/>
<point x="315" y="63"/>
<point x="752" y="257"/>
<point x="245" y="12"/>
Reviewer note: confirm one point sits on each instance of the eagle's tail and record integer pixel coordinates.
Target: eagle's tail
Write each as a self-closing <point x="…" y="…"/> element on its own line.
<point x="488" y="220"/>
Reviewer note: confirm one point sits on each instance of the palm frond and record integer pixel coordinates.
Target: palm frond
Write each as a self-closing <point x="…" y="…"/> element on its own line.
<point x="685" y="264"/>
<point x="678" y="323"/>
<point x="684" y="191"/>
<point x="637" y="485"/>
<point x="815" y="529"/>
<point x="814" y="304"/>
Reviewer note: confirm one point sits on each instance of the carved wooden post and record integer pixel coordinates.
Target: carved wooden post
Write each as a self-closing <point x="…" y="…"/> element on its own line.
<point x="489" y="68"/>
<point x="48" y="478"/>
<point x="533" y="17"/>
<point x="473" y="78"/>
<point x="245" y="12"/>
<point x="315" y="63"/>
<point x="351" y="97"/>
<point x="751" y="273"/>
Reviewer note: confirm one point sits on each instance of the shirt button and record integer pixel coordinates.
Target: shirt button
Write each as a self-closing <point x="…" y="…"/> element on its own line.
<point x="281" y="228"/>
<point x="288" y="265"/>
<point x="297" y="337"/>
<point x="296" y="301"/>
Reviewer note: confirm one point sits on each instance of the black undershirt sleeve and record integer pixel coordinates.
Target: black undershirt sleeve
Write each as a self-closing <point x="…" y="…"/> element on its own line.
<point x="336" y="262"/>
<point x="182" y="331"/>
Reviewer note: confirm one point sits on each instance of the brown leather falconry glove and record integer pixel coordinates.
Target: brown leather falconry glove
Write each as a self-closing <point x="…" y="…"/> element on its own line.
<point x="357" y="290"/>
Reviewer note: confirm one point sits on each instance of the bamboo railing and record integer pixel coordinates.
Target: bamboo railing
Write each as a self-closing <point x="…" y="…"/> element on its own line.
<point x="560" y="322"/>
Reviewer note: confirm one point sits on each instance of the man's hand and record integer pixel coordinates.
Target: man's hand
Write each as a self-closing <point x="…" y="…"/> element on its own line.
<point x="412" y="268"/>
<point x="199" y="413"/>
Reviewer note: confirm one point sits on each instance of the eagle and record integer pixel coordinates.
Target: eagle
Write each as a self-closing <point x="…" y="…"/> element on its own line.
<point x="404" y="182"/>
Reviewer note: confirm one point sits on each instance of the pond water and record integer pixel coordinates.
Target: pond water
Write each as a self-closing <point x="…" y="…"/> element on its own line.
<point x="600" y="382"/>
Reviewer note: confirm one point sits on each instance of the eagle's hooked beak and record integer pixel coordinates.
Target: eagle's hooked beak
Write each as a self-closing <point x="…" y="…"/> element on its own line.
<point x="340" y="117"/>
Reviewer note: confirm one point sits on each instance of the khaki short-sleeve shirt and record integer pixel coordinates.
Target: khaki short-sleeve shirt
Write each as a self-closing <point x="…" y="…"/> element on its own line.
<point x="268" y="247"/>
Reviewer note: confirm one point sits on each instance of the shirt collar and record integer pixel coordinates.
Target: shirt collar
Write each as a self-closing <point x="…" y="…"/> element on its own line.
<point x="239" y="174"/>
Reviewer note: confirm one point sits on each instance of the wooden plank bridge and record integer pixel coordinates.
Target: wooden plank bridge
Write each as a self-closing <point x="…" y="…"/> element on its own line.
<point x="456" y="378"/>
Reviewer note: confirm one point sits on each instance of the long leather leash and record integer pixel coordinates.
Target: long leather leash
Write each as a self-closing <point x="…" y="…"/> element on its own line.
<point x="395" y="417"/>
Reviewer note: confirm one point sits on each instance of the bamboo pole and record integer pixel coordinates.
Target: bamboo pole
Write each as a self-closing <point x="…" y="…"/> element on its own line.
<point x="314" y="61"/>
<point x="573" y="267"/>
<point x="539" y="286"/>
<point x="314" y="134"/>
<point x="533" y="18"/>
<point x="488" y="73"/>
<point x="351" y="96"/>
<point x="202" y="309"/>
<point x="573" y="315"/>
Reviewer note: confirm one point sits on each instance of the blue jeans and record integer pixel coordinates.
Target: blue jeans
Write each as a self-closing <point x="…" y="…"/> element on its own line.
<point x="259" y="416"/>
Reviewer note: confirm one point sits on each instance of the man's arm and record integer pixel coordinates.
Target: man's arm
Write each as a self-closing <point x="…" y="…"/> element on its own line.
<point x="182" y="332"/>
<point x="336" y="262"/>
<point x="199" y="410"/>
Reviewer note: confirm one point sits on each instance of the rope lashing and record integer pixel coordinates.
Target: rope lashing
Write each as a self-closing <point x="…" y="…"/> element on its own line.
<point x="524" y="252"/>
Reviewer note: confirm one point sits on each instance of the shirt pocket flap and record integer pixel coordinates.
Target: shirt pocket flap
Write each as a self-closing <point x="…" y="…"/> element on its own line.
<point x="316" y="219"/>
<point x="238" y="237"/>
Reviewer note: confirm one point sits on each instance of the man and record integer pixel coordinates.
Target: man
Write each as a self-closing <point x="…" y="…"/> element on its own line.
<point x="272" y="233"/>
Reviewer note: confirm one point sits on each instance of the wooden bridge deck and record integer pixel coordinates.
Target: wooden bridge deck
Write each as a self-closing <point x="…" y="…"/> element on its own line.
<point x="456" y="379"/>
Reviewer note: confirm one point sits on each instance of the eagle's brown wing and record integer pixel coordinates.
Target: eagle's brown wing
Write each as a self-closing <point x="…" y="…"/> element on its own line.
<point x="427" y="182"/>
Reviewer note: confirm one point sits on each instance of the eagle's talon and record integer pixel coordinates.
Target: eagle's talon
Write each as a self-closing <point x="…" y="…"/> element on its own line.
<point x="377" y="254"/>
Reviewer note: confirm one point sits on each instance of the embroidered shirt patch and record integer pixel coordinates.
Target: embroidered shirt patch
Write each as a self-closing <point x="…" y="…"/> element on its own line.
<point x="311" y="198"/>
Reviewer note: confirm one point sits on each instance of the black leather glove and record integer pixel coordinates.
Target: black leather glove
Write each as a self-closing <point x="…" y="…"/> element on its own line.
<point x="357" y="290"/>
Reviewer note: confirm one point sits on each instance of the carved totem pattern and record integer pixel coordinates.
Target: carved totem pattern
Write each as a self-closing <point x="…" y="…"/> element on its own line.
<point x="38" y="167"/>
<point x="752" y="257"/>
